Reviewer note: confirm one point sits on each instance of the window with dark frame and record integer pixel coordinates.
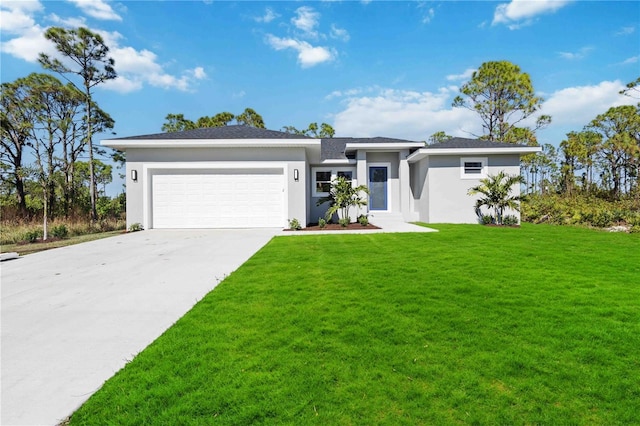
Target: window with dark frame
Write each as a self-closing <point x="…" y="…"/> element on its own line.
<point x="473" y="167"/>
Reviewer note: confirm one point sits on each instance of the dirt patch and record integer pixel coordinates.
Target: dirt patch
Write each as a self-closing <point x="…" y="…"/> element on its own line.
<point x="337" y="227"/>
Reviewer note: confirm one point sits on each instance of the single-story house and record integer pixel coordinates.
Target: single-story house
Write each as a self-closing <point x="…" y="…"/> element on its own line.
<point x="240" y="176"/>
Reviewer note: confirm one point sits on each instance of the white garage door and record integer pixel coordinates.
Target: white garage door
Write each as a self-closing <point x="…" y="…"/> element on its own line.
<point x="218" y="199"/>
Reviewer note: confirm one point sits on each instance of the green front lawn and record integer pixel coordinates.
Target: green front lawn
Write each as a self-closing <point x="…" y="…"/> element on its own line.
<point x="537" y="325"/>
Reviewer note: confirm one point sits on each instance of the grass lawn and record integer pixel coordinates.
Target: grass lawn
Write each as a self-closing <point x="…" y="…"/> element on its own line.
<point x="537" y="325"/>
<point x="28" y="248"/>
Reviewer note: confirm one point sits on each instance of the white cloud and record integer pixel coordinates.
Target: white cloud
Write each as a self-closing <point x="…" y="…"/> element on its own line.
<point x="68" y="22"/>
<point x="428" y="16"/>
<point x="466" y="75"/>
<point x="98" y="9"/>
<point x="269" y="15"/>
<point x="29" y="45"/>
<point x="580" y="54"/>
<point x="123" y="85"/>
<point x="306" y="20"/>
<point x="626" y="30"/>
<point x="577" y="106"/>
<point x="199" y="74"/>
<point x="631" y="60"/>
<point x="308" y="55"/>
<point x="519" y="13"/>
<point x="339" y="33"/>
<point x="17" y="16"/>
<point x="403" y="113"/>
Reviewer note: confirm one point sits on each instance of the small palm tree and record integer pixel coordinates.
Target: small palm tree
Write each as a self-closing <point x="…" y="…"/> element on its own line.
<point x="496" y="191"/>
<point x="342" y="196"/>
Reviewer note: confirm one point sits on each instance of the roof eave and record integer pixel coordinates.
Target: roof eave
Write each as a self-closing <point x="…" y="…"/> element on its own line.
<point x="385" y="146"/>
<point x="124" y="144"/>
<point x="424" y="152"/>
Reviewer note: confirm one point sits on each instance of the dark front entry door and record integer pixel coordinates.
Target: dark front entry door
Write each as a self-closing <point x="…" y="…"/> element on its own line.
<point x="377" y="188"/>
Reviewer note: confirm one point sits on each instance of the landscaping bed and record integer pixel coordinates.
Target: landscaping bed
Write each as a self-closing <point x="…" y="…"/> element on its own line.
<point x="337" y="227"/>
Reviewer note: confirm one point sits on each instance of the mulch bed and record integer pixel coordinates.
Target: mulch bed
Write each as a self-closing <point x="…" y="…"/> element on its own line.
<point x="337" y="227"/>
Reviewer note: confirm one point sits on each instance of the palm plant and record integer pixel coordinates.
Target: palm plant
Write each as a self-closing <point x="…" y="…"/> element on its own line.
<point x="496" y="194"/>
<point x="342" y="196"/>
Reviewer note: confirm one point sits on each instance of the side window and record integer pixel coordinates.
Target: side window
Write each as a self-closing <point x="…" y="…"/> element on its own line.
<point x="473" y="168"/>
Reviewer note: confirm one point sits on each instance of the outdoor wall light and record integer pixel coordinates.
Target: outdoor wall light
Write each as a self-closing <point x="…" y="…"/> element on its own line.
<point x="296" y="175"/>
<point x="134" y="175"/>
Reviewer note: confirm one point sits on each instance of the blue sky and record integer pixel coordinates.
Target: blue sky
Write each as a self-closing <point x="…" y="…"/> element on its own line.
<point x="368" y="68"/>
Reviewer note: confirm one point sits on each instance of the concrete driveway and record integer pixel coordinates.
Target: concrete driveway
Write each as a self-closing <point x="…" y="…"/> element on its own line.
<point x="73" y="316"/>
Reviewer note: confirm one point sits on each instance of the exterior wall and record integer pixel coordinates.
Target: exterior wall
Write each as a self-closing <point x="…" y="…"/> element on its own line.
<point x="440" y="193"/>
<point x="146" y="161"/>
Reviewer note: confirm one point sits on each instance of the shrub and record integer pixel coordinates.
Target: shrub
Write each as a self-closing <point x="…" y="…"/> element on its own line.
<point x="322" y="223"/>
<point x="486" y="219"/>
<point x="363" y="220"/>
<point x="344" y="222"/>
<point x="510" y="220"/>
<point x="32" y="235"/>
<point x="60" y="231"/>
<point x="135" y="227"/>
<point x="295" y="224"/>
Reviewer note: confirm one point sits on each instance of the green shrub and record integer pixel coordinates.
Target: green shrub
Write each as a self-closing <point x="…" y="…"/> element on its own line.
<point x="322" y="223"/>
<point x="363" y="220"/>
<point x="510" y="220"/>
<point x="32" y="235"/>
<point x="344" y="222"/>
<point x="486" y="219"/>
<point x="135" y="227"/>
<point x="295" y="224"/>
<point x="60" y="231"/>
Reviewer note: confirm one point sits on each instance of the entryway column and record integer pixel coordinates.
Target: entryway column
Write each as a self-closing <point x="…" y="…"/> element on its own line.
<point x="405" y="187"/>
<point x="361" y="170"/>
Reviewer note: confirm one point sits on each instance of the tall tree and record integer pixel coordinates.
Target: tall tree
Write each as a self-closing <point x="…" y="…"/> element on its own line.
<point x="178" y="122"/>
<point x="632" y="89"/>
<point x="250" y="117"/>
<point x="323" y="131"/>
<point x="620" y="149"/>
<point x="438" y="137"/>
<point x="88" y="55"/>
<point x="503" y="96"/>
<point x="16" y="121"/>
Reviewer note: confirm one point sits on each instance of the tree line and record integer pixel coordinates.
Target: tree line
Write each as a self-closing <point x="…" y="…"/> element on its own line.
<point x="602" y="159"/>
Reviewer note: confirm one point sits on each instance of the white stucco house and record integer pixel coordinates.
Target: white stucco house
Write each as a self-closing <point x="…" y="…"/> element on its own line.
<point x="240" y="177"/>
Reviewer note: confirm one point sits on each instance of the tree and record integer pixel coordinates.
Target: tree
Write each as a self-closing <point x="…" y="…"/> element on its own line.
<point x="16" y="122"/>
<point x="438" y="137"/>
<point x="342" y="196"/>
<point x="178" y="122"/>
<point x="250" y="118"/>
<point x="324" y="131"/>
<point x="503" y="96"/>
<point x="632" y="89"/>
<point x="88" y="54"/>
<point x="496" y="194"/>
<point x="619" y="152"/>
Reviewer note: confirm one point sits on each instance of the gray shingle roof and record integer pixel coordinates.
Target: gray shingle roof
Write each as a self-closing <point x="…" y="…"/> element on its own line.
<point x="471" y="143"/>
<point x="225" y="132"/>
<point x="334" y="148"/>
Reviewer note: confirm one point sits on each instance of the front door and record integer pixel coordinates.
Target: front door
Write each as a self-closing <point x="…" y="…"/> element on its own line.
<point x="378" y="187"/>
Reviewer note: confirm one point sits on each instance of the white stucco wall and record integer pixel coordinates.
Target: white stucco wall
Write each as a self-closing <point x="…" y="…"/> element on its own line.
<point x="149" y="161"/>
<point x="441" y="192"/>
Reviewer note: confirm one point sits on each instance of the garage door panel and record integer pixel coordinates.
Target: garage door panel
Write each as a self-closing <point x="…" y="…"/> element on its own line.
<point x="217" y="200"/>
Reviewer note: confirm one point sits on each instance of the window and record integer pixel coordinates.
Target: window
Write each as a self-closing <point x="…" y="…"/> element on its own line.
<point x="473" y="168"/>
<point x="322" y="177"/>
